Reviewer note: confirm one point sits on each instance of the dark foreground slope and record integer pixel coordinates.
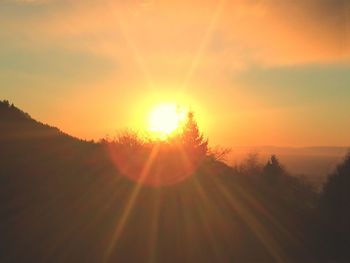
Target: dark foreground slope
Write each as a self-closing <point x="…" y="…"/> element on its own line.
<point x="49" y="182"/>
<point x="62" y="200"/>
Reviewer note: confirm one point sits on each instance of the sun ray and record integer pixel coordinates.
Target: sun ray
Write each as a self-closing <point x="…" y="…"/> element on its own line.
<point x="133" y="47"/>
<point x="258" y="229"/>
<point x="253" y="202"/>
<point x="204" y="199"/>
<point x="154" y="226"/>
<point x="131" y="202"/>
<point x="199" y="54"/>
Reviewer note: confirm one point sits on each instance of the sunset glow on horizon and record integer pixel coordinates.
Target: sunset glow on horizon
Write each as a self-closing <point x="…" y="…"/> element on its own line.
<point x="93" y="69"/>
<point x="175" y="131"/>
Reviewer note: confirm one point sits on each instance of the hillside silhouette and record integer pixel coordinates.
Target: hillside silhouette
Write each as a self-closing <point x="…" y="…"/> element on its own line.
<point x="63" y="199"/>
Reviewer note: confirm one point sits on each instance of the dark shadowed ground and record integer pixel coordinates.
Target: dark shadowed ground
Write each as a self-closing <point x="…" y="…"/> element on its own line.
<point x="66" y="200"/>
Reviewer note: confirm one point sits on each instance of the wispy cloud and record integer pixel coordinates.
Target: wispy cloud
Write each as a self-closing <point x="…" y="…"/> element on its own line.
<point x="166" y="43"/>
<point x="266" y="32"/>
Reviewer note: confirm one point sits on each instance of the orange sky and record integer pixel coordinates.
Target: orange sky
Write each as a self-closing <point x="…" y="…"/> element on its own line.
<point x="255" y="72"/>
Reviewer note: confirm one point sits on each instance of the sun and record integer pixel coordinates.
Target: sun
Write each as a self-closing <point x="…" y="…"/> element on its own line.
<point x="165" y="119"/>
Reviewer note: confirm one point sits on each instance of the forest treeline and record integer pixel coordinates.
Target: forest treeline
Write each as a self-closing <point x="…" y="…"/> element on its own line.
<point x="129" y="199"/>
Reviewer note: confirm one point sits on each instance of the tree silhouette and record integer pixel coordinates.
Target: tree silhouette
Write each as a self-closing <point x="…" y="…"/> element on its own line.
<point x="63" y="200"/>
<point x="192" y="140"/>
<point x="273" y="170"/>
<point x="157" y="162"/>
<point x="335" y="212"/>
<point x="250" y="166"/>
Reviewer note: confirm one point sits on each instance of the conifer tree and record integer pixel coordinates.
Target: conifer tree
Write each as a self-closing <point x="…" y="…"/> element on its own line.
<point x="273" y="170"/>
<point x="192" y="140"/>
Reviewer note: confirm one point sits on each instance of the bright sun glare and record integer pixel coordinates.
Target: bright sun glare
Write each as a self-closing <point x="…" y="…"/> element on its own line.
<point x="165" y="119"/>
